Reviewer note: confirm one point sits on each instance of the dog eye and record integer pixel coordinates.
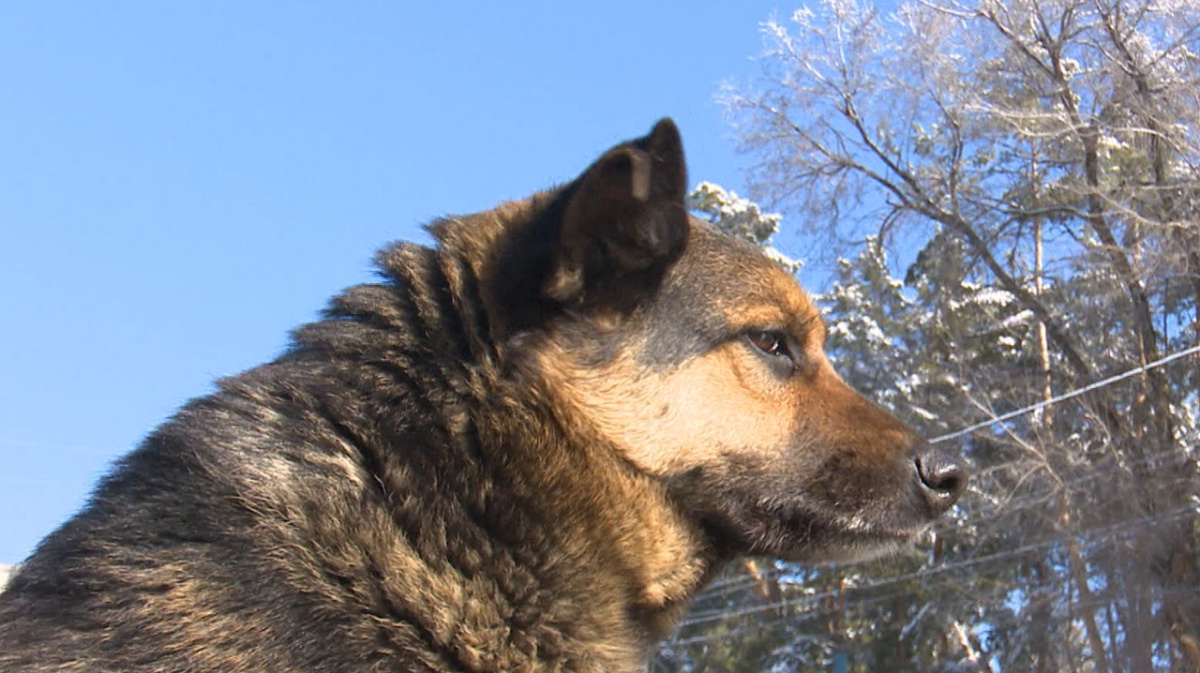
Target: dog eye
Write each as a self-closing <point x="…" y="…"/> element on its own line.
<point x="774" y="344"/>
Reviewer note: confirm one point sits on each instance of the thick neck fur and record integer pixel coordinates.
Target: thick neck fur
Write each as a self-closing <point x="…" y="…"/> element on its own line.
<point x="526" y="492"/>
<point x="401" y="491"/>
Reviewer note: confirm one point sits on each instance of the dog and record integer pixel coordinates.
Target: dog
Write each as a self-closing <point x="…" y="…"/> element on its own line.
<point x="524" y="449"/>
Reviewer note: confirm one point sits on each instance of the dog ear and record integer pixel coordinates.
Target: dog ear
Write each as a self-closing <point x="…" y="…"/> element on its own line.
<point x="624" y="218"/>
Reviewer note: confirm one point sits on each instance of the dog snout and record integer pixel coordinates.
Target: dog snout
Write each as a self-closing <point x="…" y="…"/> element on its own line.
<point x="942" y="479"/>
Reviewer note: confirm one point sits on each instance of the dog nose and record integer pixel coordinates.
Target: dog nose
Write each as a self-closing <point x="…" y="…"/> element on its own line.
<point x="942" y="479"/>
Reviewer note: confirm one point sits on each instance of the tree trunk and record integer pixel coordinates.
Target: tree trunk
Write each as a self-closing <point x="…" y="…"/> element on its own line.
<point x="1079" y="574"/>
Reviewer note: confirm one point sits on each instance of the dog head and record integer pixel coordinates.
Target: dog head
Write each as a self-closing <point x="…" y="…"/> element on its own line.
<point x="701" y="362"/>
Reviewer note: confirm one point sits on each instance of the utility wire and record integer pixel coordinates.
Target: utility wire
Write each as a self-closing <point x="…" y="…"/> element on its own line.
<point x="1083" y="535"/>
<point x="1006" y="507"/>
<point x="741" y="581"/>
<point x="995" y="511"/>
<point x="1074" y="393"/>
<point x="814" y="612"/>
<point x="948" y="567"/>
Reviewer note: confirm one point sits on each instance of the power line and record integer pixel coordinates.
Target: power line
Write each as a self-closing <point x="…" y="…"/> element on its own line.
<point x="1087" y="535"/>
<point x="1074" y="393"/>
<point x="732" y="584"/>
<point x="741" y="581"/>
<point x="997" y="510"/>
<point x="948" y="567"/>
<point x="737" y="583"/>
<point x="859" y="603"/>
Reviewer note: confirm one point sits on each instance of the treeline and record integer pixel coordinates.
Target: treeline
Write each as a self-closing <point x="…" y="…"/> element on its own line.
<point x="1015" y="190"/>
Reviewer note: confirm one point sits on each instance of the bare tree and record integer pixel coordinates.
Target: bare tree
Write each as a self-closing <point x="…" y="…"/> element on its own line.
<point x="1037" y="166"/>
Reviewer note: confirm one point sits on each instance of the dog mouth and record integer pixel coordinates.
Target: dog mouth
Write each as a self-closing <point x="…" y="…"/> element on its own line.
<point x="801" y="522"/>
<point x="804" y="531"/>
<point x="873" y="539"/>
<point x="868" y="532"/>
<point x="837" y="523"/>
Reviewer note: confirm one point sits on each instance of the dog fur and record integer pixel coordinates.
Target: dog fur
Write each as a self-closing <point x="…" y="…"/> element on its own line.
<point x="524" y="449"/>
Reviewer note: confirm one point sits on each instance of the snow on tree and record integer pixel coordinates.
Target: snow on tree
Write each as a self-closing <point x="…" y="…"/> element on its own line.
<point x="741" y="218"/>
<point x="1032" y="171"/>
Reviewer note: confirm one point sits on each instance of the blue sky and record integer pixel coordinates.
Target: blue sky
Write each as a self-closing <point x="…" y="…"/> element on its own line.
<point x="182" y="183"/>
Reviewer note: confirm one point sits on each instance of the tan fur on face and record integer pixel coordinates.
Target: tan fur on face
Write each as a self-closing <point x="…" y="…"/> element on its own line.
<point x="786" y="438"/>
<point x="667" y="421"/>
<point x="726" y="400"/>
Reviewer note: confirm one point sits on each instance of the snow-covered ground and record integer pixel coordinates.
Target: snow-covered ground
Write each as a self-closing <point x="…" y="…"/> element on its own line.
<point x="5" y="572"/>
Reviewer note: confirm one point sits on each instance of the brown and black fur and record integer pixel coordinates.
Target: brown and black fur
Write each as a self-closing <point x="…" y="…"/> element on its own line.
<point x="524" y="449"/>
